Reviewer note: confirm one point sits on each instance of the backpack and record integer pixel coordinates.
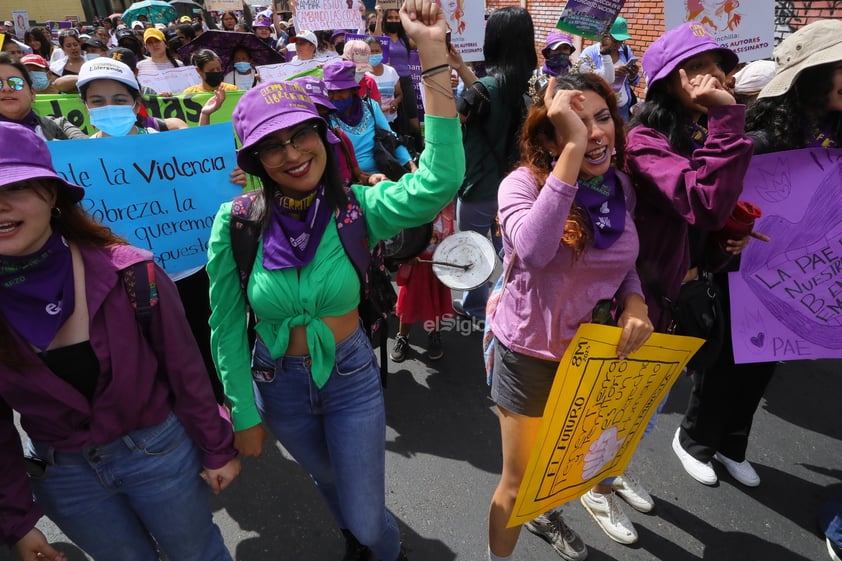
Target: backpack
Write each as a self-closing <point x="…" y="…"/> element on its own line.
<point x="140" y="285"/>
<point x="377" y="295"/>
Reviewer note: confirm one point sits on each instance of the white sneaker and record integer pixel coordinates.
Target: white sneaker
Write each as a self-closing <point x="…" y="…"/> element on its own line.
<point x="700" y="471"/>
<point x="830" y="550"/>
<point x="741" y="471"/>
<point x="630" y="490"/>
<point x="609" y="514"/>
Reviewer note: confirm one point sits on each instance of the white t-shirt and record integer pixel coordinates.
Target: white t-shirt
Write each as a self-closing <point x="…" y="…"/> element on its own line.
<point x="242" y="81"/>
<point x="148" y="65"/>
<point x="386" y="84"/>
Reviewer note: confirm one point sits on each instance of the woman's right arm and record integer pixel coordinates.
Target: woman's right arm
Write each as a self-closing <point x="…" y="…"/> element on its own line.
<point x="704" y="187"/>
<point x="229" y="323"/>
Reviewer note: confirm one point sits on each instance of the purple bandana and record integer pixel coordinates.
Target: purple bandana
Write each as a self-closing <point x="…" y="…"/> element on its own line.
<point x="354" y="114"/>
<point x="604" y="201"/>
<point x="30" y="121"/>
<point x="36" y="291"/>
<point x="698" y="135"/>
<point x="289" y="242"/>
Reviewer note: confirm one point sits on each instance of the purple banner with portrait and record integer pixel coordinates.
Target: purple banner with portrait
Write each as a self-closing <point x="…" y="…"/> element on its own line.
<point x="589" y="18"/>
<point x="786" y="299"/>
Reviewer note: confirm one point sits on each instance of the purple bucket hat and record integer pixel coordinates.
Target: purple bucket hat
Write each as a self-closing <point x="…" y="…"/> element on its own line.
<point x="24" y="156"/>
<point x="316" y="89"/>
<point x="339" y="75"/>
<point x="677" y="45"/>
<point x="555" y="39"/>
<point x="268" y="108"/>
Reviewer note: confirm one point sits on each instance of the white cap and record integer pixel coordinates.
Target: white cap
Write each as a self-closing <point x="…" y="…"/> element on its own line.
<point x="104" y="68"/>
<point x="160" y="26"/>
<point x="308" y="36"/>
<point x="137" y="24"/>
<point x="753" y="76"/>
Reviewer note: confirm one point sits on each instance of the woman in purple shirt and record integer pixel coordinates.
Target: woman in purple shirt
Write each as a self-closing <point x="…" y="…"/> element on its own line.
<point x="569" y="238"/>
<point x="123" y="423"/>
<point x="688" y="153"/>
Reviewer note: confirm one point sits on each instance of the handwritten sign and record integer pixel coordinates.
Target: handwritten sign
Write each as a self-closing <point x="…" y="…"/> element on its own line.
<point x="314" y="15"/>
<point x="589" y="18"/>
<point x="466" y="21"/>
<point x="287" y="70"/>
<point x="596" y="413"/>
<point x="186" y="107"/>
<point x="786" y="300"/>
<point x="746" y="27"/>
<point x="171" y="80"/>
<point x="223" y="5"/>
<point x="161" y="192"/>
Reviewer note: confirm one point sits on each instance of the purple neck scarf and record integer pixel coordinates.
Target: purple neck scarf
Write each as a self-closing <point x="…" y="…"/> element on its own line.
<point x="290" y="242"/>
<point x="36" y="291"/>
<point x="821" y="138"/>
<point x="604" y="201"/>
<point x="30" y="121"/>
<point x="698" y="134"/>
<point x="354" y="114"/>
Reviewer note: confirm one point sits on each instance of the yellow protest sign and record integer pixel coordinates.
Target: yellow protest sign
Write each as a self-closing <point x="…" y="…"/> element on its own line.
<point x="597" y="411"/>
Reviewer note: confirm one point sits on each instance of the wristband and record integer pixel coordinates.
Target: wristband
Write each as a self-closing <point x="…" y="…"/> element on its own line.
<point x="435" y="70"/>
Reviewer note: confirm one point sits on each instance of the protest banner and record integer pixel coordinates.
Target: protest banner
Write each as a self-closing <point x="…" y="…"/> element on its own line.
<point x="466" y="20"/>
<point x="314" y="15"/>
<point x="161" y="192"/>
<point x="596" y="414"/>
<point x="55" y="27"/>
<point x="171" y="80"/>
<point x="746" y="27"/>
<point x="223" y="5"/>
<point x="185" y="106"/>
<point x="21" y="20"/>
<point x="786" y="299"/>
<point x="287" y="70"/>
<point x="589" y="18"/>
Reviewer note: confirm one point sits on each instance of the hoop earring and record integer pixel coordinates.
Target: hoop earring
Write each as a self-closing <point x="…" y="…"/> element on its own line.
<point x="55" y="212"/>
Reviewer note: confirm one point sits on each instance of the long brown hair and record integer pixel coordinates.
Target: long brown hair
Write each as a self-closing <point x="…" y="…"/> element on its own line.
<point x="77" y="226"/>
<point x="537" y="130"/>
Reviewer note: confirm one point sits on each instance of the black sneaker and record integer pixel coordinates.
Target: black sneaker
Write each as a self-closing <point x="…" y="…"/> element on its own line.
<point x="400" y="349"/>
<point x="354" y="550"/>
<point x="434" y="348"/>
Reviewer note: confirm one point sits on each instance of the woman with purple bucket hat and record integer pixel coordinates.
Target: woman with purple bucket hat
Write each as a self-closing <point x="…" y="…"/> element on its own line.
<point x="312" y="377"/>
<point x="688" y="153"/>
<point x="124" y="433"/>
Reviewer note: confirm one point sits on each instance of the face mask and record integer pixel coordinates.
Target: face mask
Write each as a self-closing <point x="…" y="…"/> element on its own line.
<point x="340" y="48"/>
<point x="39" y="80"/>
<point x="113" y="120"/>
<point x="341" y="106"/>
<point x="91" y="56"/>
<point x="372" y="27"/>
<point x="241" y="67"/>
<point x="214" y="78"/>
<point x="392" y="26"/>
<point x="374" y="60"/>
<point x="557" y="64"/>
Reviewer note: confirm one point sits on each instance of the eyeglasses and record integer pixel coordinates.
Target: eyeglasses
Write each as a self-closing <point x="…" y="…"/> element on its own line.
<point x="273" y="154"/>
<point x="15" y="83"/>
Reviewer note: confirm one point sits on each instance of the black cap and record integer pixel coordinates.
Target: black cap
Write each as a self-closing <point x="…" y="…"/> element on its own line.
<point x="124" y="34"/>
<point x="94" y="43"/>
<point x="124" y="55"/>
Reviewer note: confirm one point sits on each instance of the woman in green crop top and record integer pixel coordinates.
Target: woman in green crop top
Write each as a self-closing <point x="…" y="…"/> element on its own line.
<point x="312" y="377"/>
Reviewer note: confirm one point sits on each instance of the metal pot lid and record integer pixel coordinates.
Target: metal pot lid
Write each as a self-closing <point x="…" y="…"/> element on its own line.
<point x="464" y="260"/>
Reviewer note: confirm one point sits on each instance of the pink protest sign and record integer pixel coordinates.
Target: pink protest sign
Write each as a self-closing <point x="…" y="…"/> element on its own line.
<point x="786" y="300"/>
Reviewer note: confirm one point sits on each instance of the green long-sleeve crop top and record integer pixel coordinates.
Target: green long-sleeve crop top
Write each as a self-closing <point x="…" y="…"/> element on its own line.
<point x="328" y="286"/>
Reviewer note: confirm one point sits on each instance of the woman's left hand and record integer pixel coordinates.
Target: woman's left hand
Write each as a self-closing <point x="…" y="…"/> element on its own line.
<point x="376" y="178"/>
<point x="219" y="479"/>
<point x="238" y="176"/>
<point x="636" y="326"/>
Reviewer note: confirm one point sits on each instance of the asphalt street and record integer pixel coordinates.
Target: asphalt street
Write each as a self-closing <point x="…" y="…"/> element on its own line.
<point x="443" y="461"/>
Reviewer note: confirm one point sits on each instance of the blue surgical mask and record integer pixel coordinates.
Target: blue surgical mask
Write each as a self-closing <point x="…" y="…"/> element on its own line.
<point x="374" y="60"/>
<point x="341" y="106"/>
<point x="242" y="67"/>
<point x="91" y="56"/>
<point x="40" y="81"/>
<point x="113" y="120"/>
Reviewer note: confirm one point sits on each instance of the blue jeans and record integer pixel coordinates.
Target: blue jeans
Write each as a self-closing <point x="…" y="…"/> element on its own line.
<point x="479" y="216"/>
<point x="830" y="521"/>
<point x="116" y="501"/>
<point x="337" y="433"/>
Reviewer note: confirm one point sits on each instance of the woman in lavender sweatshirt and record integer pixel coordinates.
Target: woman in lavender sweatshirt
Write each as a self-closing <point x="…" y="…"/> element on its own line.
<point x="566" y="221"/>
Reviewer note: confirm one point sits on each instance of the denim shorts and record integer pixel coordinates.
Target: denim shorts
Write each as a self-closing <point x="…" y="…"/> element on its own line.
<point x="520" y="383"/>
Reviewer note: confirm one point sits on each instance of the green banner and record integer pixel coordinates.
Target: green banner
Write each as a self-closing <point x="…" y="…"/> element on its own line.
<point x="184" y="106"/>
